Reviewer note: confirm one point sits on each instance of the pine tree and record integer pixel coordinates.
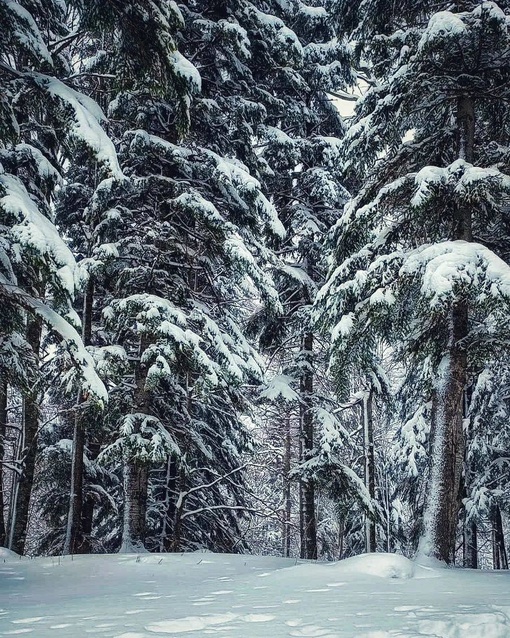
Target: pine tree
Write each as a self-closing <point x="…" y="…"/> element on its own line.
<point x="183" y="251"/>
<point x="412" y="260"/>
<point x="39" y="277"/>
<point x="296" y="76"/>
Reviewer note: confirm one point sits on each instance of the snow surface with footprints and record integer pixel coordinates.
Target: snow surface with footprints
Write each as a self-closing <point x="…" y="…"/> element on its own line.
<point x="238" y="596"/>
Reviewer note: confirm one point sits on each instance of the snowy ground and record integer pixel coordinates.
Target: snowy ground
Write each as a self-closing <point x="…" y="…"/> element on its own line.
<point x="373" y="596"/>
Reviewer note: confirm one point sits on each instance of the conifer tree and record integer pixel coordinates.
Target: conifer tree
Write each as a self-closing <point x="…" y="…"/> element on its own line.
<point x="296" y="75"/>
<point x="38" y="276"/>
<point x="183" y="251"/>
<point x="413" y="260"/>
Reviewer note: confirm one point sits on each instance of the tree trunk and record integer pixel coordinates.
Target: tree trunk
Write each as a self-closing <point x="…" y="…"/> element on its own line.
<point x="470" y="539"/>
<point x="136" y="473"/>
<point x="19" y="522"/>
<point x="73" y="543"/>
<point x="136" y="476"/>
<point x="286" y="490"/>
<point x="3" y="431"/>
<point x="499" y="555"/>
<point x="471" y="545"/>
<point x="443" y="495"/>
<point x="308" y="523"/>
<point x="368" y="440"/>
<point x="169" y="504"/>
<point x="88" y="508"/>
<point x="447" y="437"/>
<point x="179" y="511"/>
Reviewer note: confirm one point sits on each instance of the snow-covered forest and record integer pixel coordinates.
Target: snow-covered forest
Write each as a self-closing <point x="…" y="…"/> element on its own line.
<point x="255" y="277"/>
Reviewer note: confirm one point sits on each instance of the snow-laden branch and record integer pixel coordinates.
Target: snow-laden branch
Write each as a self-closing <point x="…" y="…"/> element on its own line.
<point x="81" y="358"/>
<point x="208" y="508"/>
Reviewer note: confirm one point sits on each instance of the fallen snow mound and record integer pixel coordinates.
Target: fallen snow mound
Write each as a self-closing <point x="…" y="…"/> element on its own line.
<point x="7" y="553"/>
<point x="384" y="566"/>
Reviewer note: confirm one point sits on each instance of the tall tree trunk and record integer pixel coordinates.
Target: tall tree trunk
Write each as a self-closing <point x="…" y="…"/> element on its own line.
<point x="443" y="495"/>
<point x="73" y="543"/>
<point x="499" y="555"/>
<point x="169" y="504"/>
<point x="182" y="475"/>
<point x="88" y="507"/>
<point x="447" y="437"/>
<point x="31" y="411"/>
<point x="286" y="489"/>
<point x="470" y="545"/>
<point x="136" y="477"/>
<point x="179" y="511"/>
<point x="368" y="440"/>
<point x="136" y="472"/>
<point x="308" y="523"/>
<point x="3" y="431"/>
<point x="470" y="539"/>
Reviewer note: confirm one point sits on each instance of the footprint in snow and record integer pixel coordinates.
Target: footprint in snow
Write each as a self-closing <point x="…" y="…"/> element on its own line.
<point x="312" y="631"/>
<point x="190" y="623"/>
<point x="258" y="617"/>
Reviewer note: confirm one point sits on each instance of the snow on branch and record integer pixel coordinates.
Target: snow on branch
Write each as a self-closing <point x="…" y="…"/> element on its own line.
<point x="91" y="383"/>
<point x="26" y="31"/>
<point x="87" y="120"/>
<point x="35" y="230"/>
<point x="443" y="24"/>
<point x="448" y="265"/>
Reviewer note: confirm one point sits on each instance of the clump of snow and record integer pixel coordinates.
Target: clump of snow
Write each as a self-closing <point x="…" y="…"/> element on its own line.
<point x="343" y="327"/>
<point x="383" y="566"/>
<point x="491" y="11"/>
<point x="8" y="553"/>
<point x="186" y="70"/>
<point x="87" y="120"/>
<point x="443" y="24"/>
<point x="280" y="387"/>
<point x="37" y="231"/>
<point x="27" y="32"/>
<point x="450" y="264"/>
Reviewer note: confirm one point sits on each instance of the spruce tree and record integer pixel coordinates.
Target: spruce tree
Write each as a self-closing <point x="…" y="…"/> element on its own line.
<point x="412" y="257"/>
<point x="38" y="276"/>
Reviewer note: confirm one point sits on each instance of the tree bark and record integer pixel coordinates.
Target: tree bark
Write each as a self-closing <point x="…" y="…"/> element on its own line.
<point x="169" y="511"/>
<point x="286" y="489"/>
<point x="308" y="523"/>
<point x="470" y="539"/>
<point x="368" y="440"/>
<point x="136" y="476"/>
<point x="31" y="409"/>
<point x="447" y="436"/>
<point x="136" y="473"/>
<point x="88" y="508"/>
<point x="73" y="543"/>
<point x="471" y="545"/>
<point x="3" y="431"/>
<point x="499" y="554"/>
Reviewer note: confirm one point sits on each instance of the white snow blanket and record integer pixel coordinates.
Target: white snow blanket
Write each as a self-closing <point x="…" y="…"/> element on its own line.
<point x="203" y="594"/>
